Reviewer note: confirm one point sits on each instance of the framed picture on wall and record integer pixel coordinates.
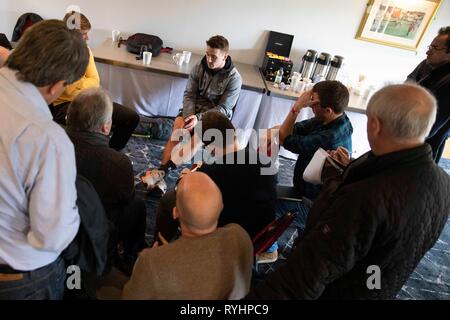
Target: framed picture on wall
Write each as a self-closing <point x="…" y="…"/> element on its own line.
<point x="397" y="23"/>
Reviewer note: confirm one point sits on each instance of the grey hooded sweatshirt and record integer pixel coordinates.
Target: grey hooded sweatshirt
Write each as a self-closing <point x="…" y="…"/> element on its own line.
<point x="210" y="89"/>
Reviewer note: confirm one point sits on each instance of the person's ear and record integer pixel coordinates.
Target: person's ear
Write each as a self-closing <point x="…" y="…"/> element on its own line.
<point x="57" y="87"/>
<point x="175" y="214"/>
<point x="376" y="127"/>
<point x="329" y="111"/>
<point x="52" y="91"/>
<point x="106" y="128"/>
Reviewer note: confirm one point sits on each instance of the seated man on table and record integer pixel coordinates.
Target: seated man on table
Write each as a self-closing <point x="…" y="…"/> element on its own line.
<point x="110" y="171"/>
<point x="370" y="226"/>
<point x="249" y="192"/>
<point x="329" y="129"/>
<point x="206" y="262"/>
<point x="214" y="83"/>
<point x="124" y="120"/>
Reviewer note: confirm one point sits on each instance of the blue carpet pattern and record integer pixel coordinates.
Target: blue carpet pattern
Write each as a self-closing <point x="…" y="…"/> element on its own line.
<point x="430" y="280"/>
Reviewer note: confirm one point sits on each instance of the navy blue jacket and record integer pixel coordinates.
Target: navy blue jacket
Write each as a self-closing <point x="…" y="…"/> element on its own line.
<point x="438" y="82"/>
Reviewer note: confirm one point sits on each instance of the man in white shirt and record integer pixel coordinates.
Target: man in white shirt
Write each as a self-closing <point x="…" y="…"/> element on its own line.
<point x="38" y="212"/>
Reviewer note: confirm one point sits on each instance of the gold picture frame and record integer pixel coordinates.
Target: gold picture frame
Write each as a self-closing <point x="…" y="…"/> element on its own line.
<point x="397" y="23"/>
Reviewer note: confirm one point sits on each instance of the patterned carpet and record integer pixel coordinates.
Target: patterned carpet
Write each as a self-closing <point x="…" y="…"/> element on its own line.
<point x="430" y="280"/>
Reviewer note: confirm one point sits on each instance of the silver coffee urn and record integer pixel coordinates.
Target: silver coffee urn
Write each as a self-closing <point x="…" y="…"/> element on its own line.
<point x="308" y="61"/>
<point x="335" y="65"/>
<point x="320" y="69"/>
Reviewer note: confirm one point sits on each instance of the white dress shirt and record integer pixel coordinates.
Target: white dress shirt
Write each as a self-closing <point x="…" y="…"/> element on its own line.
<point x="38" y="212"/>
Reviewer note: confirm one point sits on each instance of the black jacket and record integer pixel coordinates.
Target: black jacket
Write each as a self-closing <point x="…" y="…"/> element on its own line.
<point x="110" y="171"/>
<point x="438" y="82"/>
<point x="89" y="249"/>
<point x="249" y="195"/>
<point x="386" y="211"/>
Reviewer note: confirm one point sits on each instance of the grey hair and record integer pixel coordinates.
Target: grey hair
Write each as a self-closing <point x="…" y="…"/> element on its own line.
<point x="91" y="109"/>
<point x="407" y="111"/>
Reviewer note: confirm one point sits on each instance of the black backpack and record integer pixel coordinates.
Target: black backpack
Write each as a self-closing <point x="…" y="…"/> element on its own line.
<point x="23" y="23"/>
<point x="140" y="42"/>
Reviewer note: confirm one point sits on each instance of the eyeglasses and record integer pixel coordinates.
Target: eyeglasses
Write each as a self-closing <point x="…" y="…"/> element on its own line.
<point x="435" y="48"/>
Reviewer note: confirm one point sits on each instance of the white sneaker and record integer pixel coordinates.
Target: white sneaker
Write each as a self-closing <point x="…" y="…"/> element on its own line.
<point x="162" y="186"/>
<point x="152" y="178"/>
<point x="267" y="257"/>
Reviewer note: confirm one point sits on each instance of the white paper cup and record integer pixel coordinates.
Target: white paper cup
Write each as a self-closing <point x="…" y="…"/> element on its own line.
<point x="115" y="35"/>
<point x="178" y="59"/>
<point x="146" y="58"/>
<point x="187" y="56"/>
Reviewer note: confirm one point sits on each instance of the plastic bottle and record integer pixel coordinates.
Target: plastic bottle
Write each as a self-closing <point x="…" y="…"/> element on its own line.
<point x="279" y="77"/>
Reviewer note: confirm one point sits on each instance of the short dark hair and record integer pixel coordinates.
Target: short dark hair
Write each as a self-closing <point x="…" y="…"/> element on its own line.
<point x="85" y="24"/>
<point x="90" y="109"/>
<point x="332" y="94"/>
<point x="214" y="119"/>
<point x="445" y="31"/>
<point x="47" y="53"/>
<point x="218" y="42"/>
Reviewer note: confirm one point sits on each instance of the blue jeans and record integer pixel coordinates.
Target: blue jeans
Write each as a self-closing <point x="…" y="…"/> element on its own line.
<point x="46" y="283"/>
<point x="285" y="206"/>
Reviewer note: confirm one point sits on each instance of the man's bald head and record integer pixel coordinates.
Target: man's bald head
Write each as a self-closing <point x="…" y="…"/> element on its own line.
<point x="199" y="202"/>
<point x="407" y="111"/>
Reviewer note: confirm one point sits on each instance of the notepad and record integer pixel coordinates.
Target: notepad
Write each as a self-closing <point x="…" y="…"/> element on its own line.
<point x="313" y="171"/>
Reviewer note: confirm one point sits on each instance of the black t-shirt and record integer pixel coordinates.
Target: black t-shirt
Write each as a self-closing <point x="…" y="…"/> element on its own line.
<point x="249" y="195"/>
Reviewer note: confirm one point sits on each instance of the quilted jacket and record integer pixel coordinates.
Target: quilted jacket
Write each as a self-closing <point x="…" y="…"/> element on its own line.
<point x="385" y="211"/>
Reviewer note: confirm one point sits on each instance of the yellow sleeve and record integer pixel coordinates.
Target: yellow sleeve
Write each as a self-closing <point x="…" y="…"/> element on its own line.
<point x="90" y="79"/>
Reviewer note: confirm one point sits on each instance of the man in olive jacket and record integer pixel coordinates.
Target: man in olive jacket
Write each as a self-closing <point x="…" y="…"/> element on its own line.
<point x="371" y="226"/>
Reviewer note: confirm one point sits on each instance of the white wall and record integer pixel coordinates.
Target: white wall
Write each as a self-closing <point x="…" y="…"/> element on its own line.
<point x="323" y="25"/>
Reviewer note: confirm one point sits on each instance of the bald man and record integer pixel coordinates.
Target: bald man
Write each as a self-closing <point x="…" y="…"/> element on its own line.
<point x="206" y="262"/>
<point x="370" y="227"/>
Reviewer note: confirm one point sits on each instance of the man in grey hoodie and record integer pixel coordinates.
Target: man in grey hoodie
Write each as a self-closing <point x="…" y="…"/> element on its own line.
<point x="214" y="83"/>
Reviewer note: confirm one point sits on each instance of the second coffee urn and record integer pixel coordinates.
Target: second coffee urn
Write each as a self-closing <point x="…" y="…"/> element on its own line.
<point x="320" y="69"/>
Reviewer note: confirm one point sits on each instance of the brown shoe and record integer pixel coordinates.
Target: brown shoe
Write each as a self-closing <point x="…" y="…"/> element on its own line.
<point x="267" y="257"/>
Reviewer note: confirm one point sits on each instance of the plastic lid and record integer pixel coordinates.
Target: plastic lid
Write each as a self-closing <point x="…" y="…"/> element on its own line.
<point x="310" y="55"/>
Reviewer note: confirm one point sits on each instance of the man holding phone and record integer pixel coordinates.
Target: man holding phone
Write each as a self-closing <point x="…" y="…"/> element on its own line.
<point x="214" y="83"/>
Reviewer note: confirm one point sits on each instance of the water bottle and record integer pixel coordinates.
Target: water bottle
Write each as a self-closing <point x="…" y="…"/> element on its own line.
<point x="279" y="76"/>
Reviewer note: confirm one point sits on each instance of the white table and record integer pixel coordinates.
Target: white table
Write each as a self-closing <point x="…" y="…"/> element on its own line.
<point x="157" y="89"/>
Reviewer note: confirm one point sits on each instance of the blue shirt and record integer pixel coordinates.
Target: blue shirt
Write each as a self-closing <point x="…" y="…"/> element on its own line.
<point x="310" y="135"/>
<point x="38" y="212"/>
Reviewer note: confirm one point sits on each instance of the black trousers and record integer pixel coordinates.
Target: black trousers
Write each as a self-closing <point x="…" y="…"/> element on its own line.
<point x="165" y="223"/>
<point x="130" y="225"/>
<point x="124" y="121"/>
